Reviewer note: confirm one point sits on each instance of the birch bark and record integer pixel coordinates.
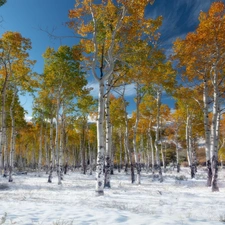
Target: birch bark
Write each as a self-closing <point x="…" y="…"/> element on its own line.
<point x="177" y="150"/>
<point x="46" y="149"/>
<point x="215" y="130"/>
<point x="207" y="130"/>
<point x="3" y="120"/>
<point x="100" y="141"/>
<point x="162" y="153"/>
<point x="13" y="136"/>
<point x="108" y="150"/>
<point x="40" y="149"/>
<point x="136" y="156"/>
<point x="60" y="151"/>
<point x="126" y="137"/>
<point x="57" y="140"/>
<point x="52" y="162"/>
<point x="158" y="164"/>
<point x="105" y="73"/>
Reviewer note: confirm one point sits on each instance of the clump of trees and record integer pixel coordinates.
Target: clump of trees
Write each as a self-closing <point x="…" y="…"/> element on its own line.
<point x="119" y="46"/>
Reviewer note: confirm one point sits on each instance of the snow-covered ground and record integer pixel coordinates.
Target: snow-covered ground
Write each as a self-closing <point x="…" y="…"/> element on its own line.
<point x="30" y="200"/>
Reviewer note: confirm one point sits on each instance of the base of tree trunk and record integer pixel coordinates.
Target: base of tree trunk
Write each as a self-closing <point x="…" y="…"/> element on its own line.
<point x="132" y="174"/>
<point x="138" y="178"/>
<point x="215" y="189"/>
<point x="107" y="185"/>
<point x="209" y="171"/>
<point x="126" y="168"/>
<point x="192" y="171"/>
<point x="178" y="168"/>
<point x="99" y="193"/>
<point x="160" y="173"/>
<point x="160" y="177"/>
<point x="164" y="169"/>
<point x="108" y="168"/>
<point x="138" y="165"/>
<point x="65" y="168"/>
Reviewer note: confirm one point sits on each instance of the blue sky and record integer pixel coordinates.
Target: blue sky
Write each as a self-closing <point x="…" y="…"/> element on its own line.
<point x="28" y="16"/>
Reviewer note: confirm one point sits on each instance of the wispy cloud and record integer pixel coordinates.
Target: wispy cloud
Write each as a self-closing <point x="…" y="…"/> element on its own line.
<point x="95" y="88"/>
<point x="179" y="18"/>
<point x="28" y="118"/>
<point x="129" y="92"/>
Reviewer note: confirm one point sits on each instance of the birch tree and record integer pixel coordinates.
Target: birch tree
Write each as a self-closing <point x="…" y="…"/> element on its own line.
<point x="106" y="24"/>
<point x="15" y="66"/>
<point x="205" y="62"/>
<point x="65" y="80"/>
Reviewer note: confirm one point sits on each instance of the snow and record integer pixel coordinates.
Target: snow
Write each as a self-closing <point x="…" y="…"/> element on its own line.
<point x="30" y="200"/>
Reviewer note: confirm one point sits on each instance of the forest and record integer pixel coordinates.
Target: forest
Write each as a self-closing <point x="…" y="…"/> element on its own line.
<point x="119" y="46"/>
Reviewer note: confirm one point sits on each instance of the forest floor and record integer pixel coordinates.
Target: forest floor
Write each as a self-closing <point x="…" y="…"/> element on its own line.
<point x="30" y="200"/>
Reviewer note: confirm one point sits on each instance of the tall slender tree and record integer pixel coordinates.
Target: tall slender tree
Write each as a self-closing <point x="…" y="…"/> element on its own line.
<point x="202" y="54"/>
<point x="15" y="68"/>
<point x="109" y="24"/>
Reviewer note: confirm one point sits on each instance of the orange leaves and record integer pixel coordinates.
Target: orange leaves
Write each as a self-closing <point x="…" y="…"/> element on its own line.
<point x="87" y="46"/>
<point x="117" y="111"/>
<point x="203" y="48"/>
<point x="15" y="63"/>
<point x="137" y="7"/>
<point x="85" y="29"/>
<point x="76" y="13"/>
<point x="14" y="44"/>
<point x="202" y="16"/>
<point x="217" y="10"/>
<point x="107" y="15"/>
<point x="77" y="52"/>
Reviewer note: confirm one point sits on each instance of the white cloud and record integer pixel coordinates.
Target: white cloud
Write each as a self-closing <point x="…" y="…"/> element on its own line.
<point x="95" y="88"/>
<point x="130" y="90"/>
<point x="92" y="119"/>
<point x="28" y="118"/>
<point x="179" y="17"/>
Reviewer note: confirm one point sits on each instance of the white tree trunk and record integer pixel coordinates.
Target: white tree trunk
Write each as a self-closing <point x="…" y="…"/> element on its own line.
<point x="136" y="156"/>
<point x="46" y="149"/>
<point x="2" y="131"/>
<point x="187" y="139"/>
<point x="120" y="155"/>
<point x="90" y="158"/>
<point x="207" y="131"/>
<point x="152" y="153"/>
<point x="60" y="153"/>
<point x="177" y="150"/>
<point x="215" y="131"/>
<point x="108" y="139"/>
<point x="6" y="157"/>
<point x="158" y="164"/>
<point x="126" y="136"/>
<point x="162" y="153"/>
<point x="13" y="137"/>
<point x="100" y="141"/>
<point x="40" y="149"/>
<point x="3" y="116"/>
<point x="57" y="142"/>
<point x="52" y="161"/>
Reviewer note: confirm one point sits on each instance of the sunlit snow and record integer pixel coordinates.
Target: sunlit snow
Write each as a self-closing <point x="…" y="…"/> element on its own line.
<point x="30" y="200"/>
